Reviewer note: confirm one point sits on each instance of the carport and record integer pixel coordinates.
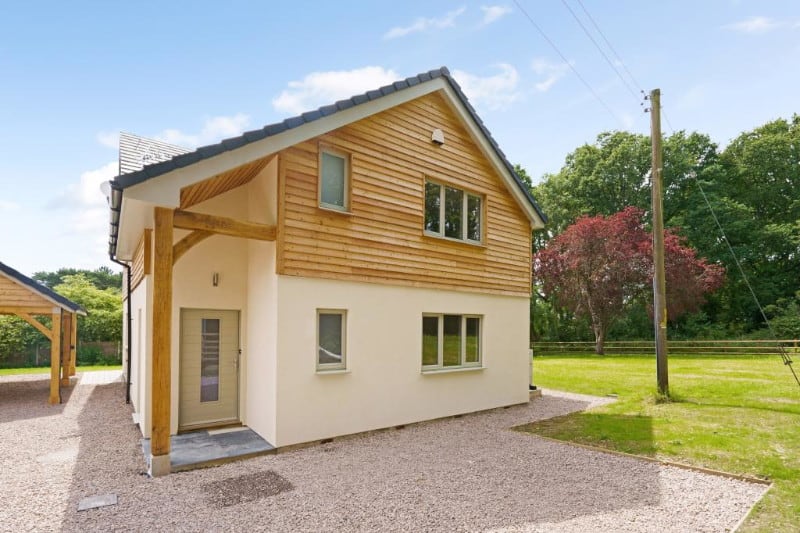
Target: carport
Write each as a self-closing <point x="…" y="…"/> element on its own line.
<point x="32" y="301"/>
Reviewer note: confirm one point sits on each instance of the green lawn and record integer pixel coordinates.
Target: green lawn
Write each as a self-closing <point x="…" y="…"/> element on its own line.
<point x="736" y="414"/>
<point x="46" y="370"/>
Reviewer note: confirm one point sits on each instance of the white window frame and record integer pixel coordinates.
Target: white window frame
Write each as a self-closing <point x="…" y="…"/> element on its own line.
<point x="464" y="213"/>
<point x="439" y="366"/>
<point x="328" y="367"/>
<point x="346" y="185"/>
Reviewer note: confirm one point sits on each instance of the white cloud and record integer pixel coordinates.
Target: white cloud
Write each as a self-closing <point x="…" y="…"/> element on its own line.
<point x="86" y="192"/>
<point x="552" y="72"/>
<point x="494" y="13"/>
<point x="493" y="92"/>
<point x="214" y="130"/>
<point x="424" y="24"/>
<point x="5" y="205"/>
<point x="109" y="139"/>
<point x="755" y="25"/>
<point x="321" y="88"/>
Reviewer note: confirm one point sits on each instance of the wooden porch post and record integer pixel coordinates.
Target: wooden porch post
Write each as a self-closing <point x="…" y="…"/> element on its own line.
<point x="55" y="356"/>
<point x="162" y="342"/>
<point x="65" y="332"/>
<point x="73" y="345"/>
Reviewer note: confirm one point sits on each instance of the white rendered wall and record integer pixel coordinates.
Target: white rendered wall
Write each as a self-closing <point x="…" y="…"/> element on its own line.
<point x="260" y="350"/>
<point x="141" y="361"/>
<point x="384" y="385"/>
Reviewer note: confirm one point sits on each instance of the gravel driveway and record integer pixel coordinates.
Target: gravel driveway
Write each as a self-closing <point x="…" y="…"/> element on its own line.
<point x="462" y="474"/>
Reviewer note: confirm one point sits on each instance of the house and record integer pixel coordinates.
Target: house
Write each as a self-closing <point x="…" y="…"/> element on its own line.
<point x="31" y="301"/>
<point x="362" y="266"/>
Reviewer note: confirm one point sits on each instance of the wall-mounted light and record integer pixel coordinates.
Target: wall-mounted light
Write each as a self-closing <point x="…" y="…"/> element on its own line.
<point x="437" y="137"/>
<point x="215" y="279"/>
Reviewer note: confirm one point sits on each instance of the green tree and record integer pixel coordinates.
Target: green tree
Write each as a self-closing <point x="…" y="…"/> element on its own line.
<point x="104" y="306"/>
<point x="102" y="277"/>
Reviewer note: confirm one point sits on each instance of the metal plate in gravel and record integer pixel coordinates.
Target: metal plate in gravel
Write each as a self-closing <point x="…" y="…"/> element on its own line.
<point x="246" y="488"/>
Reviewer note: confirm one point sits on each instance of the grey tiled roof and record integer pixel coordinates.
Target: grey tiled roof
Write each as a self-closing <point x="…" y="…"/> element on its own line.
<point x="43" y="290"/>
<point x="135" y="152"/>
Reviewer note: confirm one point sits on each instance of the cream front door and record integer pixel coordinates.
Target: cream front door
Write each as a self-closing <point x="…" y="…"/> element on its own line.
<point x="209" y="368"/>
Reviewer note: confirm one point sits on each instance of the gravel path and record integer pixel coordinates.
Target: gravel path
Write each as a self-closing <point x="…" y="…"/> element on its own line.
<point x="463" y="474"/>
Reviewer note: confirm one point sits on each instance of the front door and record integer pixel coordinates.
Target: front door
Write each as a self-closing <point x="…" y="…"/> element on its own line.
<point x="209" y="368"/>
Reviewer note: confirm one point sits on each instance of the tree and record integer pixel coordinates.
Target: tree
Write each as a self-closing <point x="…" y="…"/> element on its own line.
<point x="104" y="306"/>
<point x="102" y="278"/>
<point x="600" y="266"/>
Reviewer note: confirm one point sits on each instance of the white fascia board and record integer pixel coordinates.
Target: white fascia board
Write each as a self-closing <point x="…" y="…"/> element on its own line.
<point x="134" y="217"/>
<point x="491" y="154"/>
<point x="164" y="190"/>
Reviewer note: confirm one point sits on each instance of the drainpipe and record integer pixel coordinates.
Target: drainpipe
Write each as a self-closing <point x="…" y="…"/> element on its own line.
<point x="129" y="336"/>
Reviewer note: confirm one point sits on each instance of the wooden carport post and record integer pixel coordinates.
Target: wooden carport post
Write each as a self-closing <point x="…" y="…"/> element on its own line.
<point x="73" y="345"/>
<point x="66" y="356"/>
<point x="55" y="356"/>
<point x="162" y="342"/>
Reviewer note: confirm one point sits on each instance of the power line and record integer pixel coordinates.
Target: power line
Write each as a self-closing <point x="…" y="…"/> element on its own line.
<point x="621" y="62"/>
<point x="568" y="63"/>
<point x="599" y="49"/>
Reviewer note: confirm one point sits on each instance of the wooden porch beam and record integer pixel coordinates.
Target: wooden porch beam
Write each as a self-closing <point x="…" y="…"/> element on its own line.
<point x="223" y="225"/>
<point x="185" y="244"/>
<point x="35" y="323"/>
<point x="161" y="342"/>
<point x="55" y="354"/>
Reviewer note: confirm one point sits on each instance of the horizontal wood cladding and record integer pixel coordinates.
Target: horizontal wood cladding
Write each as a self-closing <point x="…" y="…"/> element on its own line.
<point x="224" y="182"/>
<point x="381" y="238"/>
<point x="13" y="294"/>
<point x="142" y="259"/>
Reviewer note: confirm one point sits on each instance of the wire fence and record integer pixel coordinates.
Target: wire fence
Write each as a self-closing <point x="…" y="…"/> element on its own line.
<point x="716" y="347"/>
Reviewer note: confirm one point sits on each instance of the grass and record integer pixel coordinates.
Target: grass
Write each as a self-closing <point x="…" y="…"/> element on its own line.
<point x="46" y="369"/>
<point x="736" y="414"/>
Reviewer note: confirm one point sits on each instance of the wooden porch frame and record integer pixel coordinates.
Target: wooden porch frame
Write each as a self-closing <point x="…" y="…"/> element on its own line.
<point x="165" y="254"/>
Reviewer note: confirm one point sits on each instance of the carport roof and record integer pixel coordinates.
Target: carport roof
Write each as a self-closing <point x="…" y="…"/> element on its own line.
<point x="40" y="289"/>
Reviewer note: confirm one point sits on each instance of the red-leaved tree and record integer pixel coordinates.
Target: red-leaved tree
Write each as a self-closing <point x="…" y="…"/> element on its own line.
<point x="600" y="265"/>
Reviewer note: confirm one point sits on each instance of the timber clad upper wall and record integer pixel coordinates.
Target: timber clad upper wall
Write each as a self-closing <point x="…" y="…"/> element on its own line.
<point x="381" y="239"/>
<point x="141" y="264"/>
<point x="13" y="294"/>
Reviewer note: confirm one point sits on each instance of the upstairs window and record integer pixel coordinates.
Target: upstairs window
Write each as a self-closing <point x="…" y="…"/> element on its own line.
<point x="453" y="213"/>
<point x="334" y="170"/>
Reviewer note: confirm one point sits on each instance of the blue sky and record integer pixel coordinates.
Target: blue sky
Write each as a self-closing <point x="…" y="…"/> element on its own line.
<point x="74" y="74"/>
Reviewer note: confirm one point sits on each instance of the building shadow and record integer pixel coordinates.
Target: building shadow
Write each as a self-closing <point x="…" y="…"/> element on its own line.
<point x="24" y="397"/>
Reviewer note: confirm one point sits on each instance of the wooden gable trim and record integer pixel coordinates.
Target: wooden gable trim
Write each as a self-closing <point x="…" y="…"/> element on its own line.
<point x="142" y="263"/>
<point x="221" y="183"/>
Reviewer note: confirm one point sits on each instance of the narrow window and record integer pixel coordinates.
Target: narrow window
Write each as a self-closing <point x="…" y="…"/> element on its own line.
<point x="433" y="205"/>
<point x="473" y="346"/>
<point x="209" y="360"/>
<point x="430" y="340"/>
<point x="333" y="181"/>
<point x="453" y="212"/>
<point x="331" y="340"/>
<point x="451" y="354"/>
<point x="473" y="218"/>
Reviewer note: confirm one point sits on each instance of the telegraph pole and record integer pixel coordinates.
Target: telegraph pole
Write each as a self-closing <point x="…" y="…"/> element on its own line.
<point x="659" y="281"/>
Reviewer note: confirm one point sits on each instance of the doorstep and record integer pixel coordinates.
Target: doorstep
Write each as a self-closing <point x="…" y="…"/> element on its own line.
<point x="199" y="449"/>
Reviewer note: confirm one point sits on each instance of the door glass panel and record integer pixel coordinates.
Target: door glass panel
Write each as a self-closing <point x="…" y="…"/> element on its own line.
<point x="209" y="360"/>
<point x="451" y="355"/>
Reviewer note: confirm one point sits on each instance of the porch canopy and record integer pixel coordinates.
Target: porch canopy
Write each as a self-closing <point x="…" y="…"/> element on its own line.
<point x="30" y="300"/>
